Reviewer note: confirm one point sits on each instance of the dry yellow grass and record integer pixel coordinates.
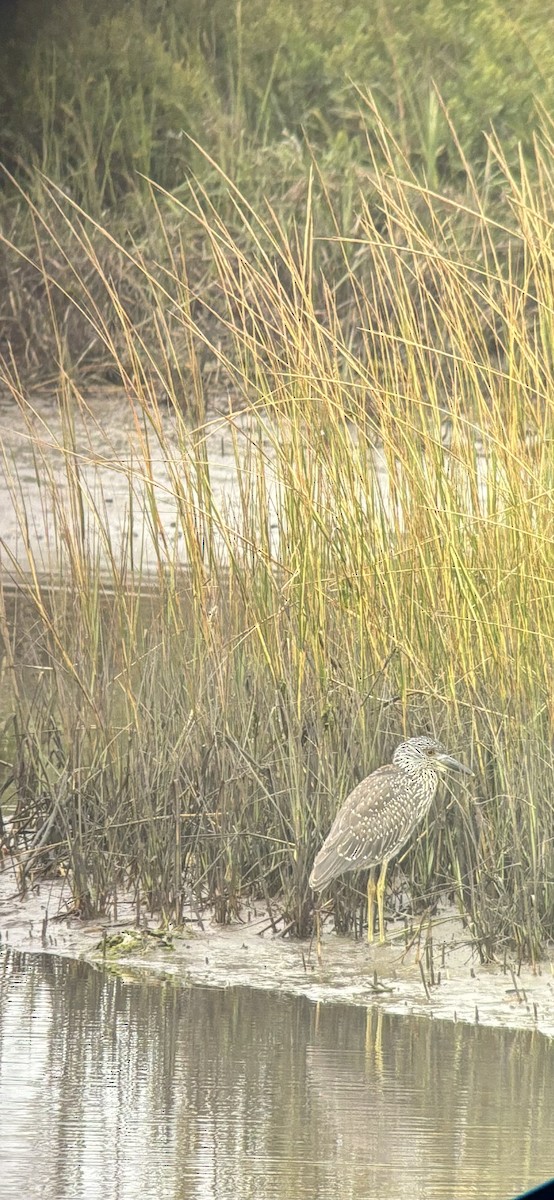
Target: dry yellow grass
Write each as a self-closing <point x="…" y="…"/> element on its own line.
<point x="203" y="737"/>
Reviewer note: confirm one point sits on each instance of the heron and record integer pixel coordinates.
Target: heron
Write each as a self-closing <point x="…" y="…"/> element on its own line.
<point x="379" y="816"/>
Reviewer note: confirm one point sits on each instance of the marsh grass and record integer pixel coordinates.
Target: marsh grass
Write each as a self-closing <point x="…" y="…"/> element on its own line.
<point x="101" y="101"/>
<point x="193" y="730"/>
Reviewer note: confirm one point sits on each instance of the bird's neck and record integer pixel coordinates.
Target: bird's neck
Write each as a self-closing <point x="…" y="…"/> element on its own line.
<point x="427" y="773"/>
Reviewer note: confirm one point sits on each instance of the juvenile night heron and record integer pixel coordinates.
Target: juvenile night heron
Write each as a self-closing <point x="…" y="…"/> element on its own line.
<point x="379" y="816"/>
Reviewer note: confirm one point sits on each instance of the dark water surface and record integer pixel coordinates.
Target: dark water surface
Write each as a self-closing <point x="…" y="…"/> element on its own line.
<point x="115" y="1088"/>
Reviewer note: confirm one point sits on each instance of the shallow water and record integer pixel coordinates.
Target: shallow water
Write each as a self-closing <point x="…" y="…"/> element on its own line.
<point x="124" y="1088"/>
<point x="118" y="483"/>
<point x="113" y="476"/>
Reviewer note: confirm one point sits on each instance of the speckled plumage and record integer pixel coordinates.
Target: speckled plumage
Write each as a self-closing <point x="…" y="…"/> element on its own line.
<point x="379" y="815"/>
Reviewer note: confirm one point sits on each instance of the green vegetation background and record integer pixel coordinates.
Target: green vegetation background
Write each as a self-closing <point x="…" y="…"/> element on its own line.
<point x="96" y="93"/>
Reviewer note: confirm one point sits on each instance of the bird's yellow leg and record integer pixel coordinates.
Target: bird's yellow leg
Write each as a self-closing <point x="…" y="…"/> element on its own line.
<point x="381" y="900"/>
<point x="370" y="904"/>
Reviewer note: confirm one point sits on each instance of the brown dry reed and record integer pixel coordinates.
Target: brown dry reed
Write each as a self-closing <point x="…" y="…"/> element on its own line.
<point x="385" y="567"/>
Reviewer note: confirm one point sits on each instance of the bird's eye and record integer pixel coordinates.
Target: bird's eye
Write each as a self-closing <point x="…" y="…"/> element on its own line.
<point x="430" y="750"/>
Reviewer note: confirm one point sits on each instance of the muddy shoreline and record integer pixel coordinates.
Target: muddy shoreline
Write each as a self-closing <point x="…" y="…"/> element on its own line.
<point x="449" y="984"/>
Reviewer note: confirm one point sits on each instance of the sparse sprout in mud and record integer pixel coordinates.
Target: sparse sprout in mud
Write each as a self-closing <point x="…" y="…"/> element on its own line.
<point x="134" y="941"/>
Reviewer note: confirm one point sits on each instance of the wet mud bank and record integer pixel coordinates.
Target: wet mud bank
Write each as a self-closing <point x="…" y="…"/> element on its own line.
<point x="438" y="975"/>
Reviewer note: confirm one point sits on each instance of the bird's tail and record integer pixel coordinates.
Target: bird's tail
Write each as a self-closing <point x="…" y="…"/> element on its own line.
<point x="327" y="866"/>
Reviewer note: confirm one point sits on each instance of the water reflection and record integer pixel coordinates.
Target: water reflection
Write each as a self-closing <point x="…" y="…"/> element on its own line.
<point x="120" y="1089"/>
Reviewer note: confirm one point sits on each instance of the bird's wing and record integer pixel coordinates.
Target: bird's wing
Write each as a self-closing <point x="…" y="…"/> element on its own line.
<point x="374" y="820"/>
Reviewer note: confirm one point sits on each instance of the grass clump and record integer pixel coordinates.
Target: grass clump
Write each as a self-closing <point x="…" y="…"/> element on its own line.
<point x="383" y="566"/>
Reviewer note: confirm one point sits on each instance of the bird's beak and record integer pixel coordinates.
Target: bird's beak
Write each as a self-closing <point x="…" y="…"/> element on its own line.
<point x="452" y="764"/>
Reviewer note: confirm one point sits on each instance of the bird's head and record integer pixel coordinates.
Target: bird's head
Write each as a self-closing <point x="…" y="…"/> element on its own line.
<point x="420" y="752"/>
